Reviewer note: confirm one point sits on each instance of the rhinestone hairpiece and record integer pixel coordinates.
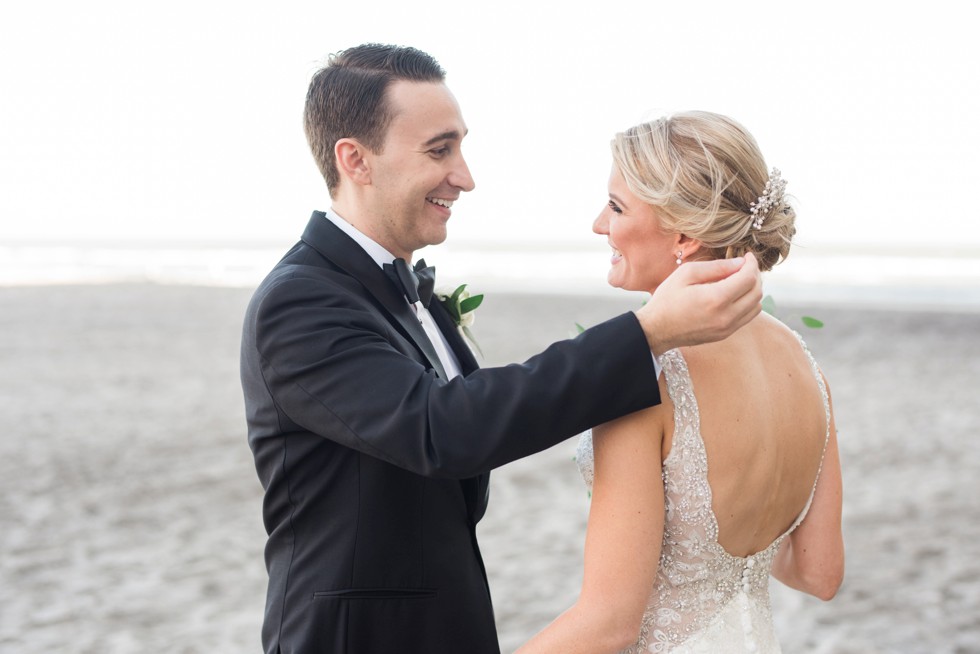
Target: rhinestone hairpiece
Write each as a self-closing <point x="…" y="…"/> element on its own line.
<point x="771" y="196"/>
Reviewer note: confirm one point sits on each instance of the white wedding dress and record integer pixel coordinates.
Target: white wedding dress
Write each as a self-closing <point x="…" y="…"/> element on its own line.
<point x="704" y="599"/>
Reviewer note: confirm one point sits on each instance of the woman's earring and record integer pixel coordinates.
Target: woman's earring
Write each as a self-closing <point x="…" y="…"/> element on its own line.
<point x="680" y="258"/>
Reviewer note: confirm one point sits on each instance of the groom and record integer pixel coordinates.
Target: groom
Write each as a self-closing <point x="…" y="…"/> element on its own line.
<point x="372" y="427"/>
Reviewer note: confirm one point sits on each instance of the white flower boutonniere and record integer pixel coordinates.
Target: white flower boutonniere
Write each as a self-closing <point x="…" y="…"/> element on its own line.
<point x="461" y="305"/>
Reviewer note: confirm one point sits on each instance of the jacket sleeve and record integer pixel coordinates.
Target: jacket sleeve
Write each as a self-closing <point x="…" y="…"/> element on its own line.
<point x="334" y="367"/>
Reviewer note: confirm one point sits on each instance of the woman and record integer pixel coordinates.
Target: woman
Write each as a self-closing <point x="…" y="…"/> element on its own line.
<point x="736" y="476"/>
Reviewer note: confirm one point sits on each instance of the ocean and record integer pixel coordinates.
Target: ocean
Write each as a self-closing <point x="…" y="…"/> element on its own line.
<point x="872" y="278"/>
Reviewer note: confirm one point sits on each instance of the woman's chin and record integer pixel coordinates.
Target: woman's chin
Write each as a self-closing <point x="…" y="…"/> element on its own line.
<point x="616" y="281"/>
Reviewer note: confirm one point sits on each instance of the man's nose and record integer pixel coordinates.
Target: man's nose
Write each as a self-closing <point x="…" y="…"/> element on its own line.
<point x="460" y="176"/>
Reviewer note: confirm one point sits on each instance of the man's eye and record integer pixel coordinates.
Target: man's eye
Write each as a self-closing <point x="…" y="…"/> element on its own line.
<point x="440" y="152"/>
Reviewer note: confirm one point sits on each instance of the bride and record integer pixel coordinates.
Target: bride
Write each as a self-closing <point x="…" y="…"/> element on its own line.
<point x="736" y="476"/>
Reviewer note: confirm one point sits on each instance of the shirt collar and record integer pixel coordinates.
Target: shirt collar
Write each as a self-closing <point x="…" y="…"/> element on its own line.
<point x="380" y="255"/>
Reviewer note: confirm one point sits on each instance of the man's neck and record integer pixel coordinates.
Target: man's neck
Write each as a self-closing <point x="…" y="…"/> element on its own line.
<point x="375" y="250"/>
<point x="359" y="219"/>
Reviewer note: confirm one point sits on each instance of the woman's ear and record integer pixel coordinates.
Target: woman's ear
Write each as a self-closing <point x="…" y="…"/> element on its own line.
<point x="352" y="161"/>
<point x="687" y="246"/>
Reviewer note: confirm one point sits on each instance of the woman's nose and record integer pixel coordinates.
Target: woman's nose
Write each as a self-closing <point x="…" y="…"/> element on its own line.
<point x="601" y="223"/>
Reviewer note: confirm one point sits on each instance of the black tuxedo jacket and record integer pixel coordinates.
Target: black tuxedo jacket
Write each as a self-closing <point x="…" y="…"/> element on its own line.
<point x="375" y="467"/>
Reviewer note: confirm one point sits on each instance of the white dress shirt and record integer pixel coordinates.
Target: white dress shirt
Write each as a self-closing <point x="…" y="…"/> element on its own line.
<point x="381" y="256"/>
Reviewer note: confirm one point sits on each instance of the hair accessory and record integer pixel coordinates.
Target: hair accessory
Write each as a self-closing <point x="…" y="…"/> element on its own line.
<point x="771" y="196"/>
<point x="680" y="258"/>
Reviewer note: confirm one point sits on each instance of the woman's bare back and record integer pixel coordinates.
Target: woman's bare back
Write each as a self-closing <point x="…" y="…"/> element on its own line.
<point x="763" y="424"/>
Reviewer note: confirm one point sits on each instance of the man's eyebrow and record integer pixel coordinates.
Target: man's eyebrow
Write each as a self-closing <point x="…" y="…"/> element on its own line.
<point x="450" y="135"/>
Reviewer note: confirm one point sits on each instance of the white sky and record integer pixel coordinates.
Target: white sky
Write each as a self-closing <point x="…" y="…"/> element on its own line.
<point x="181" y="120"/>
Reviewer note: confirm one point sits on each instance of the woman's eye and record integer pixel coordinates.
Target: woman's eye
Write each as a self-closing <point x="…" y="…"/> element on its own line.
<point x="616" y="209"/>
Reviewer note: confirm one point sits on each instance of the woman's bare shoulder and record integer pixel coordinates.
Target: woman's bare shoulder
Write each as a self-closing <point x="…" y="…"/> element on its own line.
<point x="764" y="345"/>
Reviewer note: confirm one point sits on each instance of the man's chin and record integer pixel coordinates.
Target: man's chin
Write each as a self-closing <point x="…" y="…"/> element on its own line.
<point x="436" y="236"/>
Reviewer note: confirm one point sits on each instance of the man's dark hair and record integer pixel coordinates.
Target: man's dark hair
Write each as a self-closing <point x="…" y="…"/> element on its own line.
<point x="348" y="98"/>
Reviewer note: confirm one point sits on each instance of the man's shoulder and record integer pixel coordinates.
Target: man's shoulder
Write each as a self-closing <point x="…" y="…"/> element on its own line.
<point x="304" y="272"/>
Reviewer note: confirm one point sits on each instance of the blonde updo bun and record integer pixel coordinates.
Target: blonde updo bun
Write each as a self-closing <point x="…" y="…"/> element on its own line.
<point x="704" y="171"/>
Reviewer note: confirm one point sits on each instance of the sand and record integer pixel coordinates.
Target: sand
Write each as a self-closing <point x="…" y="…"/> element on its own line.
<point x="130" y="512"/>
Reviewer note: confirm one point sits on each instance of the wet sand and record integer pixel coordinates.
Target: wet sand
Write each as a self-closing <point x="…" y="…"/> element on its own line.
<point x="130" y="512"/>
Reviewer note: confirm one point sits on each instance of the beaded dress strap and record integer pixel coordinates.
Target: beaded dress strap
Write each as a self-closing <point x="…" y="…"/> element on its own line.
<point x="826" y="440"/>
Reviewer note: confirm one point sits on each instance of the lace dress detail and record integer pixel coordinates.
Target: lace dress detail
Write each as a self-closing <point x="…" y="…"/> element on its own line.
<point x="704" y="599"/>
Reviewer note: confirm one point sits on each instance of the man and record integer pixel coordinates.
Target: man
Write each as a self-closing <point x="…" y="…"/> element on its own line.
<point x="372" y="428"/>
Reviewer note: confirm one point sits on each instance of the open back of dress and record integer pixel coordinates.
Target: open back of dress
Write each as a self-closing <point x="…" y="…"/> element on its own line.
<point x="704" y="599"/>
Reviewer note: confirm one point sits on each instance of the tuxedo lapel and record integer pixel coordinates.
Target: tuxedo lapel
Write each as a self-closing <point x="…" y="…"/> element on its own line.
<point x="331" y="242"/>
<point x="475" y="489"/>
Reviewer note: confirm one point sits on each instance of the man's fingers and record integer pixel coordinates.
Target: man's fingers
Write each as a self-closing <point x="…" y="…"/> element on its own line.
<point x="745" y="281"/>
<point x="703" y="272"/>
<point x="747" y="307"/>
<point x="701" y="302"/>
<point x="745" y="288"/>
<point x="737" y="298"/>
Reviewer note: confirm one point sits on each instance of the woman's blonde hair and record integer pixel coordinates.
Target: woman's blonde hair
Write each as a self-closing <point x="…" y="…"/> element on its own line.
<point x="705" y="173"/>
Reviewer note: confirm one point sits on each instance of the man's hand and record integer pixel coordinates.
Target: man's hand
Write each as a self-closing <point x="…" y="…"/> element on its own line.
<point x="701" y="302"/>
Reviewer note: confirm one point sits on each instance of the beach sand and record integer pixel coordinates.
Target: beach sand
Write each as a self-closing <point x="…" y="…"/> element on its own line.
<point x="130" y="512"/>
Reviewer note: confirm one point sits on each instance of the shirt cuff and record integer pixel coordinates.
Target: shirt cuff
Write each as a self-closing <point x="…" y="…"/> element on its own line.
<point x="656" y="365"/>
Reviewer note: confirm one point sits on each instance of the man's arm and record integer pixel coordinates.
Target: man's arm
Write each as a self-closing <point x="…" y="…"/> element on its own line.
<point x="335" y="366"/>
<point x="331" y="365"/>
<point x="701" y="302"/>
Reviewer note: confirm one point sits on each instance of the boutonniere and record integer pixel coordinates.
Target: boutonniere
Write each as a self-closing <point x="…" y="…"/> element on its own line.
<point x="461" y="305"/>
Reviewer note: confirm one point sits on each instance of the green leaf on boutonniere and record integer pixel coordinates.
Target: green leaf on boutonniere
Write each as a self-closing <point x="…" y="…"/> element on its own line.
<point x="470" y="303"/>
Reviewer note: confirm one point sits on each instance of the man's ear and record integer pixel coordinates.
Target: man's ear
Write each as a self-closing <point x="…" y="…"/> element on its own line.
<point x="352" y="161"/>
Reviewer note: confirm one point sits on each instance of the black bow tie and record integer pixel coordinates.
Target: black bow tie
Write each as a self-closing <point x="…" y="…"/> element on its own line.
<point x="416" y="284"/>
